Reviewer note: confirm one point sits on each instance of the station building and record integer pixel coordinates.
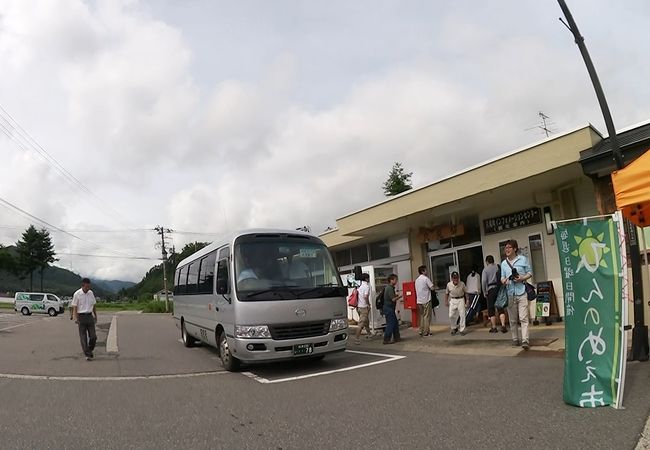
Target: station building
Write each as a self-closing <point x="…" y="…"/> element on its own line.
<point x="455" y="222"/>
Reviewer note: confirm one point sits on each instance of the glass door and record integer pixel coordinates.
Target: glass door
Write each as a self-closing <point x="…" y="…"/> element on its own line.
<point x="441" y="265"/>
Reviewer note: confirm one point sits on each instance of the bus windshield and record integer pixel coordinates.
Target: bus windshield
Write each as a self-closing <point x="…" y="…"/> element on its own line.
<point x="278" y="269"/>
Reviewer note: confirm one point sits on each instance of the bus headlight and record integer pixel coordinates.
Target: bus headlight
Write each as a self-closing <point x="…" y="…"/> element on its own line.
<point x="338" y="324"/>
<point x="252" y="332"/>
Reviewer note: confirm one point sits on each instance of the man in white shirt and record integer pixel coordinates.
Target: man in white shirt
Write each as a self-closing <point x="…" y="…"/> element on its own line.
<point x="84" y="313"/>
<point x="423" y="288"/>
<point x="363" y="307"/>
<point x="456" y="300"/>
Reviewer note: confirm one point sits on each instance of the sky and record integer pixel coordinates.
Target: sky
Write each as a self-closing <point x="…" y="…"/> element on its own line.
<point x="208" y="116"/>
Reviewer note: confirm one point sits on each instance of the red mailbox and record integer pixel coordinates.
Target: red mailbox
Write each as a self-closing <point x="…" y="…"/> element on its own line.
<point x="410" y="301"/>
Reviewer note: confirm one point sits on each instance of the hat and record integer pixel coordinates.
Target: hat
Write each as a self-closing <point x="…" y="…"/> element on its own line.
<point x="454" y="274"/>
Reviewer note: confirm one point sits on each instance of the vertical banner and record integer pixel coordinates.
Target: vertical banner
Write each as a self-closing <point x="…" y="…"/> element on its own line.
<point x="592" y="277"/>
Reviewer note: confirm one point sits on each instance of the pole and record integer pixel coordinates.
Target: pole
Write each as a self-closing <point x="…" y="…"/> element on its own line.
<point x="640" y="333"/>
<point x="161" y="231"/>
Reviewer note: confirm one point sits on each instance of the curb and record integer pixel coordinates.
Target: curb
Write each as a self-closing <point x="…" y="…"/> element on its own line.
<point x="111" y="341"/>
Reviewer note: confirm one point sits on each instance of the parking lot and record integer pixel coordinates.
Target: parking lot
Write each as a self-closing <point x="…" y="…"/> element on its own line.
<point x="155" y="393"/>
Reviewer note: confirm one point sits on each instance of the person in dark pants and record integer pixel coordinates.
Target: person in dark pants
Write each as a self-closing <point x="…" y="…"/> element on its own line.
<point x="391" y="333"/>
<point x="84" y="313"/>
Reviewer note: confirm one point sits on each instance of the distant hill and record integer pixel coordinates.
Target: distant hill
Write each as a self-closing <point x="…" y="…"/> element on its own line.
<point x="153" y="280"/>
<point x="59" y="281"/>
<point x="113" y="286"/>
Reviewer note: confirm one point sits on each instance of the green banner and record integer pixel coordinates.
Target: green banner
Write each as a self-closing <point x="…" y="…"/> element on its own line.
<point x="592" y="282"/>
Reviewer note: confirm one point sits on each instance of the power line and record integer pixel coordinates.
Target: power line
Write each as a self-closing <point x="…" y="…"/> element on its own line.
<point x="6" y="203"/>
<point x="109" y="256"/>
<point x="14" y="131"/>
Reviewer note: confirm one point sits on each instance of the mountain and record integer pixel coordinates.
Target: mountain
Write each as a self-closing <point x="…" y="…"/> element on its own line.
<point x="56" y="280"/>
<point x="113" y="286"/>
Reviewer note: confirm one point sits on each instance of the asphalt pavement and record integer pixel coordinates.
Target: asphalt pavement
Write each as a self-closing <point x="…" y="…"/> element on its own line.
<point x="350" y="400"/>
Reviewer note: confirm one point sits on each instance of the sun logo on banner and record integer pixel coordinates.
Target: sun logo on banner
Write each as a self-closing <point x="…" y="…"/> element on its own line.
<point x="591" y="250"/>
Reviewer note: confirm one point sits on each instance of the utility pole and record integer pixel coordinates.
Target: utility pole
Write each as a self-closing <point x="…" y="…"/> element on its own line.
<point x="640" y="350"/>
<point x="161" y="231"/>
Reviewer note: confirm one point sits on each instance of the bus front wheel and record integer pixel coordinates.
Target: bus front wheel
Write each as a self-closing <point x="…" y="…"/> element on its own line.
<point x="229" y="362"/>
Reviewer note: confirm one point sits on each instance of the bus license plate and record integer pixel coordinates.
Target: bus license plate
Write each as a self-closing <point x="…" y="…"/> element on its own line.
<point x="303" y="349"/>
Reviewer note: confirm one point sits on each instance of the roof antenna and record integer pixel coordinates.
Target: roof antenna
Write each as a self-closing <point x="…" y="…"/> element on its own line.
<point x="545" y="125"/>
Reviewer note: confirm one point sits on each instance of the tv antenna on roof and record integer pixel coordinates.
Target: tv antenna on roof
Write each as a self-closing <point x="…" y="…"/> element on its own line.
<point x="544" y="125"/>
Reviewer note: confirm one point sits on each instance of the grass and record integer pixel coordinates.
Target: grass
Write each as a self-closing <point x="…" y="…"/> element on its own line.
<point x="147" y="307"/>
<point x="7" y="305"/>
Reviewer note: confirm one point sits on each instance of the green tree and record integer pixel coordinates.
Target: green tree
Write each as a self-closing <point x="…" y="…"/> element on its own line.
<point x="398" y="181"/>
<point x="35" y="251"/>
<point x="7" y="262"/>
<point x="45" y="252"/>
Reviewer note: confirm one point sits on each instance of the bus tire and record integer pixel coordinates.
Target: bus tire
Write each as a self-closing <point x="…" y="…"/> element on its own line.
<point x="188" y="341"/>
<point x="25" y="311"/>
<point x="229" y="362"/>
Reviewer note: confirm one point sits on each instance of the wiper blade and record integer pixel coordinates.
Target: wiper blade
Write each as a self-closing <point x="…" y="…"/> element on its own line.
<point x="275" y="290"/>
<point x="315" y="289"/>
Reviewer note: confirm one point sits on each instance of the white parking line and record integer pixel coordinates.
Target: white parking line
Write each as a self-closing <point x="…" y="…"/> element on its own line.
<point x="388" y="358"/>
<point x="15" y="326"/>
<point x="111" y="340"/>
<point x="124" y="378"/>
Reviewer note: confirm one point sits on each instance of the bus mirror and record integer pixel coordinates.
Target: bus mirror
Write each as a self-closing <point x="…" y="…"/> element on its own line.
<point x="222" y="286"/>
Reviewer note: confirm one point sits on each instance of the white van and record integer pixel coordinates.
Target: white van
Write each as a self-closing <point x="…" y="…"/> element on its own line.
<point x="262" y="295"/>
<point x="38" y="302"/>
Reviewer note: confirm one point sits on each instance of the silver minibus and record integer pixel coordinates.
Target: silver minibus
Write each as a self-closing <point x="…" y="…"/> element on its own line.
<point x="262" y="295"/>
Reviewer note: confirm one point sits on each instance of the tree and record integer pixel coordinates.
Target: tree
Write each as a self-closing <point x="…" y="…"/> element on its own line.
<point x="398" y="181"/>
<point x="45" y="252"/>
<point x="7" y="262"/>
<point x="35" y="250"/>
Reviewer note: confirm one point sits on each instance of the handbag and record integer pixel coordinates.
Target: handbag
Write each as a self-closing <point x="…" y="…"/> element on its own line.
<point x="502" y="298"/>
<point x="530" y="291"/>
<point x="353" y="298"/>
<point x="435" y="302"/>
<point x="531" y="294"/>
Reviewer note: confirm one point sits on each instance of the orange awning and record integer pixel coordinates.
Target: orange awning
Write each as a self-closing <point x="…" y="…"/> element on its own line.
<point x="632" y="190"/>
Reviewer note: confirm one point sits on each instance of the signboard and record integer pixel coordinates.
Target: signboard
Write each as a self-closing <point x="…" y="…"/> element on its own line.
<point x="544" y="294"/>
<point x="511" y="221"/>
<point x="592" y="277"/>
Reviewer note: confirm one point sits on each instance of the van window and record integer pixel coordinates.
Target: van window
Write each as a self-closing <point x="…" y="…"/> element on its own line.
<point x="206" y="274"/>
<point x="52" y="298"/>
<point x="181" y="281"/>
<point x="192" y="277"/>
<point x="222" y="275"/>
<point x="36" y="297"/>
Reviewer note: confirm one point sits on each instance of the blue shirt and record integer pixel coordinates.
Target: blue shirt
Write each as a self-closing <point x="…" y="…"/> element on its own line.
<point x="523" y="267"/>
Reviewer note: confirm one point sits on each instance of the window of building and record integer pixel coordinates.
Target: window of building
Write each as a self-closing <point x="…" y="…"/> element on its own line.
<point x="206" y="274"/>
<point x="379" y="250"/>
<point x="359" y="254"/>
<point x="343" y="258"/>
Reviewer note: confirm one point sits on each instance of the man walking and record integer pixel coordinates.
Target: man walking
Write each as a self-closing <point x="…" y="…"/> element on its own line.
<point x="456" y="301"/>
<point x="84" y="313"/>
<point x="423" y="288"/>
<point x="391" y="333"/>
<point x="363" y="308"/>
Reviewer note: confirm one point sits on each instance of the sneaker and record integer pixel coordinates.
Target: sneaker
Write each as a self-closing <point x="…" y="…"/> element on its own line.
<point x="504" y="329"/>
<point x="493" y="330"/>
<point x="453" y="332"/>
<point x="88" y="358"/>
<point x="428" y="334"/>
<point x="525" y="345"/>
<point x="463" y="333"/>
<point x="516" y="343"/>
<point x="397" y="340"/>
<point x="388" y="342"/>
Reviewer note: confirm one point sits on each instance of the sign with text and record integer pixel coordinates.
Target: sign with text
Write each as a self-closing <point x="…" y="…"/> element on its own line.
<point x="594" y="356"/>
<point x="518" y="219"/>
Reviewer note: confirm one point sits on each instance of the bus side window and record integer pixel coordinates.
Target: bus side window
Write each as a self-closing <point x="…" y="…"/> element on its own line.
<point x="223" y="285"/>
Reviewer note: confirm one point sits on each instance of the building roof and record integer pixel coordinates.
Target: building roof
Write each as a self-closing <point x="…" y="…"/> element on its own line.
<point x="535" y="159"/>
<point x="633" y="140"/>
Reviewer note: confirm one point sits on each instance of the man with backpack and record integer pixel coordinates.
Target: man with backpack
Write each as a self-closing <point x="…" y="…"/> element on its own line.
<point x="390" y="298"/>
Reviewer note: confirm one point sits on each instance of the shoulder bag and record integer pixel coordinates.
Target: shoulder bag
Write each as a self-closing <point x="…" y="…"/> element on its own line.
<point x="531" y="294"/>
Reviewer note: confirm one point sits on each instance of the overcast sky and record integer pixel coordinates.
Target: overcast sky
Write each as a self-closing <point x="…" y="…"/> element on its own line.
<point x="207" y="116"/>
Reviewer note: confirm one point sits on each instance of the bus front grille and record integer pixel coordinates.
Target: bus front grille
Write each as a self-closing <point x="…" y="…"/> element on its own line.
<point x="299" y="330"/>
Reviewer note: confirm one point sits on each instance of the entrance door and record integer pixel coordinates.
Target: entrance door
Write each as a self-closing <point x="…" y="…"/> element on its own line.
<point x="463" y="260"/>
<point x="440" y="267"/>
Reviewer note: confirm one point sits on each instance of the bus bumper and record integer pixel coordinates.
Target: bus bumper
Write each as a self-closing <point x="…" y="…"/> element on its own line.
<point x="269" y="349"/>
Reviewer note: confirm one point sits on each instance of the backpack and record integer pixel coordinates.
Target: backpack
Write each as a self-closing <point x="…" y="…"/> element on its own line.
<point x="379" y="300"/>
